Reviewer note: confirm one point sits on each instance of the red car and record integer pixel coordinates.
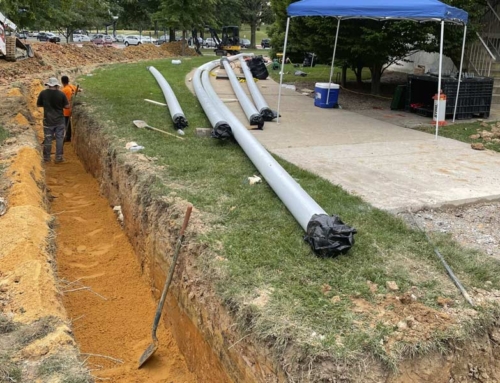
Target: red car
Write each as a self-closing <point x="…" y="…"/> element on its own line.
<point x="104" y="41"/>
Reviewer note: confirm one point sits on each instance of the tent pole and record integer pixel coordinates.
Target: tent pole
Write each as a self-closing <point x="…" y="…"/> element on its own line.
<point x="439" y="76"/>
<point x="282" y="69"/>
<point x="460" y="74"/>
<point x="333" y="61"/>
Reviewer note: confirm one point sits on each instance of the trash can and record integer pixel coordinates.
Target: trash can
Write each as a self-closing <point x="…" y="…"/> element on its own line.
<point x="321" y="94"/>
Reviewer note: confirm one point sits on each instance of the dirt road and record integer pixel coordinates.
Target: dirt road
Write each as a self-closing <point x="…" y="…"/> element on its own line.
<point x="93" y="252"/>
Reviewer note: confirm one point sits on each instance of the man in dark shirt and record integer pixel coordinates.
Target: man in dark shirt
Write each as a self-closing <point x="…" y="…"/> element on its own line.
<point x="53" y="102"/>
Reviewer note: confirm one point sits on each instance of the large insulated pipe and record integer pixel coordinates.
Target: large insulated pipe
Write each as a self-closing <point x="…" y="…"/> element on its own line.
<point x="221" y="128"/>
<point x="328" y="236"/>
<point x="180" y="121"/>
<point x="253" y="115"/>
<point x="258" y="99"/>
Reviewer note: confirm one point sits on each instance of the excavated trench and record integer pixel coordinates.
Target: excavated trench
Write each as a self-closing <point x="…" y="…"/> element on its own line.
<point x="137" y="256"/>
<point x="112" y="272"/>
<point x="109" y="301"/>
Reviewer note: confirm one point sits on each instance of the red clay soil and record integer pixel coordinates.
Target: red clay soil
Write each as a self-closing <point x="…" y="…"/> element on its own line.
<point x="94" y="252"/>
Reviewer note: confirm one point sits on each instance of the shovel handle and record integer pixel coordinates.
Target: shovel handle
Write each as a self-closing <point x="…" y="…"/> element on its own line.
<point x="162" y="131"/>
<point x="186" y="219"/>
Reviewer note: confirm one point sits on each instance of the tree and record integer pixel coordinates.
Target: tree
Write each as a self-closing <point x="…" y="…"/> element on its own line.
<point x="138" y="14"/>
<point x="186" y="14"/>
<point x="254" y="12"/>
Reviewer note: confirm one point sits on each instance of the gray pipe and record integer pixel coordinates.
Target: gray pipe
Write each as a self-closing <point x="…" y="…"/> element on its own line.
<point x="221" y="128"/>
<point x="258" y="99"/>
<point x="180" y="121"/>
<point x="327" y="235"/>
<point x="253" y="116"/>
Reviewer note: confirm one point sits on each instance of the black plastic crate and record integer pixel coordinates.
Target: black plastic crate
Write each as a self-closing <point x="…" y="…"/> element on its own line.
<point x="474" y="99"/>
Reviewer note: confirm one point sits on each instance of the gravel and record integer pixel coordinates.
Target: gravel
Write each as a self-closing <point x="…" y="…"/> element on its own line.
<point x="474" y="226"/>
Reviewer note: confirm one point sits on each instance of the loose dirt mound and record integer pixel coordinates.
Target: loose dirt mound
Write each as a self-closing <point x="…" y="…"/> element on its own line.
<point x="58" y="56"/>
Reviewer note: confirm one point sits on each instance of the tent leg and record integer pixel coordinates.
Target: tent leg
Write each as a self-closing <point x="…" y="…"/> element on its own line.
<point x="333" y="61"/>
<point x="439" y="76"/>
<point x="282" y="69"/>
<point x="460" y="74"/>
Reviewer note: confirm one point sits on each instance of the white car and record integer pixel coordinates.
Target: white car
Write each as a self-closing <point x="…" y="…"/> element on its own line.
<point x="148" y="40"/>
<point x="210" y="43"/>
<point x="132" y="40"/>
<point x="81" y="39"/>
<point x="120" y="38"/>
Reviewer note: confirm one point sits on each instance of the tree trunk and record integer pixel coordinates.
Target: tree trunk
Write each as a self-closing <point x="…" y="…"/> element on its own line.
<point x="171" y="32"/>
<point x="253" y="29"/>
<point x="156" y="29"/>
<point x="376" y="71"/>
<point x="359" y="74"/>
<point x="343" y="80"/>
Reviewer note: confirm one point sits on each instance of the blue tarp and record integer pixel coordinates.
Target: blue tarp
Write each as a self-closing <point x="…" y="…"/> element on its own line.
<point x="418" y="10"/>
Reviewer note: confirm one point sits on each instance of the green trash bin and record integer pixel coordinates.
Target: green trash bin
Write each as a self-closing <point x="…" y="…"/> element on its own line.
<point x="398" y="100"/>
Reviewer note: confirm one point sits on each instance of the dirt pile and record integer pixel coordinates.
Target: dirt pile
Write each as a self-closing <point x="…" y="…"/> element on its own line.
<point x="50" y="57"/>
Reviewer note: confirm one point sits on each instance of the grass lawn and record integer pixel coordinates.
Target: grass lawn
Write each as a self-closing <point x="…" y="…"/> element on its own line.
<point x="319" y="73"/>
<point x="462" y="132"/>
<point x="280" y="292"/>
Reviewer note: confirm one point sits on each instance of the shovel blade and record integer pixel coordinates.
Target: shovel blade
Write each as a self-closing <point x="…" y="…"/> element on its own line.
<point x="147" y="354"/>
<point x="140" y="124"/>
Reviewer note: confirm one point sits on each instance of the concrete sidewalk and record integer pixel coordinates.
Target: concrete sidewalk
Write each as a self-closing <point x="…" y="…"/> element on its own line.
<point x="391" y="167"/>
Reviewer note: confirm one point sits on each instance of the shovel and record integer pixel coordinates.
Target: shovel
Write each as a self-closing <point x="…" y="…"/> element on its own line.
<point x="143" y="124"/>
<point x="154" y="346"/>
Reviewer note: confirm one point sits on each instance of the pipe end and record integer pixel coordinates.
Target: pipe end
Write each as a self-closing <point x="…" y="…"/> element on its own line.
<point x="268" y="114"/>
<point x="256" y="119"/>
<point x="222" y="131"/>
<point x="329" y="236"/>
<point x="180" y="121"/>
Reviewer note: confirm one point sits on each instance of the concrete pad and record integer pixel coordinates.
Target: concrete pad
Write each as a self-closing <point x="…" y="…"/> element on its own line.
<point x="391" y="167"/>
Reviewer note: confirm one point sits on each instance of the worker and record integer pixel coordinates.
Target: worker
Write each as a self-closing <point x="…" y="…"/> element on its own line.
<point x="53" y="102"/>
<point x="69" y="90"/>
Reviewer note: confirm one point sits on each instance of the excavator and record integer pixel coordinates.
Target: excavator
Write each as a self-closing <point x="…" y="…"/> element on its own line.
<point x="12" y="48"/>
<point x="229" y="43"/>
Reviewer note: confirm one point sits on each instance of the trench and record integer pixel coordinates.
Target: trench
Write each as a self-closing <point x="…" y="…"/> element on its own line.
<point x="106" y="296"/>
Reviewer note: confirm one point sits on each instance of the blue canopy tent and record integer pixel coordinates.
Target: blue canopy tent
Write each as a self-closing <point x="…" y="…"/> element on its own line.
<point x="416" y="10"/>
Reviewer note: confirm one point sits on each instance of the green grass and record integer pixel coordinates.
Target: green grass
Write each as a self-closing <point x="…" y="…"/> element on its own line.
<point x="462" y="132"/>
<point x="318" y="73"/>
<point x="4" y="134"/>
<point x="9" y="371"/>
<point x="261" y="242"/>
<point x="245" y="33"/>
<point x="6" y="325"/>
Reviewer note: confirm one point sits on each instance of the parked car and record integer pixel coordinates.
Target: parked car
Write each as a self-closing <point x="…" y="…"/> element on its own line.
<point x="105" y="40"/>
<point x="163" y="39"/>
<point x="120" y="38"/>
<point x="42" y="36"/>
<point x="132" y="40"/>
<point x="265" y="43"/>
<point x="245" y="43"/>
<point x="81" y="38"/>
<point x="22" y="35"/>
<point x="210" y="43"/>
<point x="148" y="40"/>
<point x="33" y="34"/>
<point x="48" y="36"/>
